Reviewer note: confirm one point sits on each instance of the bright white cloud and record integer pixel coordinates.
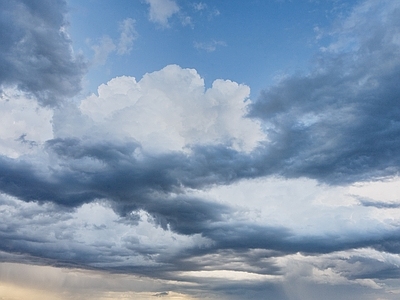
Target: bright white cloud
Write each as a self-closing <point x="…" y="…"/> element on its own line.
<point x="162" y="10"/>
<point x="231" y="275"/>
<point x="309" y="208"/>
<point x="170" y="110"/>
<point x="23" y="123"/>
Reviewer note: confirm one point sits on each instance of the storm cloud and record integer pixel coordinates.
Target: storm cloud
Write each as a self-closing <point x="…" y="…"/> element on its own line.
<point x="340" y="122"/>
<point x="35" y="50"/>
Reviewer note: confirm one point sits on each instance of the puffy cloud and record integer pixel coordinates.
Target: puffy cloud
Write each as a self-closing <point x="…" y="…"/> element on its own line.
<point x="85" y="234"/>
<point x="35" y="50"/>
<point x="170" y="109"/>
<point x="162" y="10"/>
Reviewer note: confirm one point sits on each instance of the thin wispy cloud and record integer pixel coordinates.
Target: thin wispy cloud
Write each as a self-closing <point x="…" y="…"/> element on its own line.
<point x="123" y="46"/>
<point x="209" y="46"/>
<point x="161" y="10"/>
<point x="127" y="37"/>
<point x="103" y="49"/>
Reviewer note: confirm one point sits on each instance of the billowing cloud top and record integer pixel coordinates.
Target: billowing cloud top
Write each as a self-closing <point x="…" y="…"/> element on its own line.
<point x="170" y="109"/>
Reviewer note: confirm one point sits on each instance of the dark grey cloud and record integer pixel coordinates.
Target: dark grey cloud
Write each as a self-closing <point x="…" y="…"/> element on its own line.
<point x="340" y="122"/>
<point x="35" y="51"/>
<point x="81" y="171"/>
<point x="367" y="202"/>
<point x="183" y="215"/>
<point x="44" y="235"/>
<point x="366" y="267"/>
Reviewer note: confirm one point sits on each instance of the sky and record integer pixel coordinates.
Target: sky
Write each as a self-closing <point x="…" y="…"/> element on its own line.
<point x="199" y="149"/>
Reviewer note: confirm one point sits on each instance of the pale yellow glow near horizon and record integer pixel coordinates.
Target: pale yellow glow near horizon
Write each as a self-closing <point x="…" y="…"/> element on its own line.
<point x="32" y="282"/>
<point x="142" y="296"/>
<point x="15" y="292"/>
<point x="10" y="291"/>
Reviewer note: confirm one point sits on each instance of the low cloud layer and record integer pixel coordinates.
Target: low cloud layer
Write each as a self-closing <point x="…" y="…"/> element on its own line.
<point x="171" y="109"/>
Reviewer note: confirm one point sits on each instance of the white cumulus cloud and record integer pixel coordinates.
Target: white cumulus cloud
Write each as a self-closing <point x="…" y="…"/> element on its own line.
<point x="170" y="109"/>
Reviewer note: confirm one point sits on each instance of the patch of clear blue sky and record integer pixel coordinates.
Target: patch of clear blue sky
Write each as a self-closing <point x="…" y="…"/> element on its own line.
<point x="259" y="39"/>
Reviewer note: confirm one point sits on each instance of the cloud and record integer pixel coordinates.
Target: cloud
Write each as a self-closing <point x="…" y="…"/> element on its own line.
<point x="210" y="46"/>
<point x="200" y="6"/>
<point x="162" y="294"/>
<point x="170" y="110"/>
<point x="25" y="125"/>
<point x="36" y="52"/>
<point x="339" y="123"/>
<point x="203" y="7"/>
<point x="378" y="204"/>
<point x="107" y="45"/>
<point x="103" y="49"/>
<point x="128" y="35"/>
<point x="81" y="172"/>
<point x="161" y="11"/>
<point x="200" y="187"/>
<point x="117" y="147"/>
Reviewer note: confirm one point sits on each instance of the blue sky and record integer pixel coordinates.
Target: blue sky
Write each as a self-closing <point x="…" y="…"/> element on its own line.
<point x="199" y="149"/>
<point x="270" y="38"/>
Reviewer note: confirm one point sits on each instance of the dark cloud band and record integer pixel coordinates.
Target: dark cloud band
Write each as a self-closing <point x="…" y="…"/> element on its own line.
<point x="35" y="50"/>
